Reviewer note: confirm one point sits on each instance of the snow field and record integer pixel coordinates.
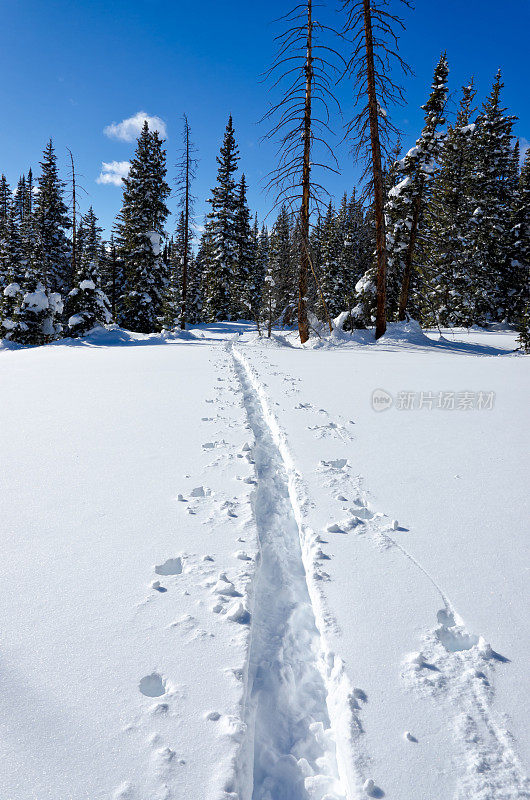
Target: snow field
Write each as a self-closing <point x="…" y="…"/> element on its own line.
<point x="227" y="578"/>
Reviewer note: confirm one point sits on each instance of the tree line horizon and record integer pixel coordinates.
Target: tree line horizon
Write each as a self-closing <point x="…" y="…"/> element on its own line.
<point x="441" y="233"/>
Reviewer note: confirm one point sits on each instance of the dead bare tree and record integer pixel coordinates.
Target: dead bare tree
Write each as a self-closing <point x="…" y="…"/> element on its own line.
<point x="187" y="167"/>
<point x="73" y="195"/>
<point x="301" y="121"/>
<point x="374" y="55"/>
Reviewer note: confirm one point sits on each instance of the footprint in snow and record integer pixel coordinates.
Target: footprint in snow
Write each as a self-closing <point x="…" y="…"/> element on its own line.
<point x="125" y="791"/>
<point x="158" y="587"/>
<point x="336" y="464"/>
<point x="172" y="566"/>
<point x="455" y="638"/>
<point x="152" y="685"/>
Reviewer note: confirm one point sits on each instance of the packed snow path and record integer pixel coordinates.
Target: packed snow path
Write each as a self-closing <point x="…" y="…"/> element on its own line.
<point x="293" y="749"/>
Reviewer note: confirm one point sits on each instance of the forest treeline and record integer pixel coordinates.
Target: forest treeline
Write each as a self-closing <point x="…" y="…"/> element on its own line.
<point x="457" y="234"/>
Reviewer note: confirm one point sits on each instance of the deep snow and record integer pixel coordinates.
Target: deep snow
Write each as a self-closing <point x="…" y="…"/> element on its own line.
<point x="224" y="575"/>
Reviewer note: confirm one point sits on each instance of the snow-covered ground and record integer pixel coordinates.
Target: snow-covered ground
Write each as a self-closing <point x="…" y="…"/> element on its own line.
<point x="225" y="576"/>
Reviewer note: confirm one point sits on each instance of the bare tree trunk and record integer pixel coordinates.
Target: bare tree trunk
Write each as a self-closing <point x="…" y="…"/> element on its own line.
<point x="184" y="277"/>
<point x="74" y="228"/>
<point x="373" y="112"/>
<point x="409" y="255"/>
<point x="269" y="323"/>
<point x="303" y="326"/>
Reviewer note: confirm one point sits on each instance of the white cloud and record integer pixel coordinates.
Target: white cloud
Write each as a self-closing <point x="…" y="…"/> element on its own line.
<point x="113" y="172"/>
<point x="524" y="144"/>
<point x="129" y="129"/>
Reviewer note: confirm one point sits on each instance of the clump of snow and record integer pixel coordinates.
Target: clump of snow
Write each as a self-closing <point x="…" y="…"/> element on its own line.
<point x="156" y="242"/>
<point x="416" y="660"/>
<point x="484" y="648"/>
<point x="12" y="290"/>
<point x="238" y="613"/>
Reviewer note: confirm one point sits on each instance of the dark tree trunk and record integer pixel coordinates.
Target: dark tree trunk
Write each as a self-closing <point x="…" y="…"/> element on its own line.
<point x="74" y="227"/>
<point x="184" y="284"/>
<point x="373" y="111"/>
<point x="409" y="255"/>
<point x="303" y="325"/>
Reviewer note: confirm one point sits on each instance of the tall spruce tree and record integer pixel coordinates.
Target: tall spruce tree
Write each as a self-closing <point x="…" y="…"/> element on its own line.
<point x="245" y="290"/>
<point x="447" y="265"/>
<point x="332" y="275"/>
<point x="140" y="232"/>
<point x="521" y="243"/>
<point x="52" y="248"/>
<point x="283" y="260"/>
<point x="221" y="271"/>
<point x="111" y="269"/>
<point x="491" y="223"/>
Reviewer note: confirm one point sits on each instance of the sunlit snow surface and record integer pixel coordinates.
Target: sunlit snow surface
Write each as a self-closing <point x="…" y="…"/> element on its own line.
<point x="377" y="647"/>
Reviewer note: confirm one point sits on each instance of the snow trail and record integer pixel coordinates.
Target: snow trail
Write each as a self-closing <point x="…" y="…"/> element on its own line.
<point x="290" y="745"/>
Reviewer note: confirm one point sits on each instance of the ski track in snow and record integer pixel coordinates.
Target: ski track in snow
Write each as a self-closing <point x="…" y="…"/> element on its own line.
<point x="300" y="708"/>
<point x="291" y="746"/>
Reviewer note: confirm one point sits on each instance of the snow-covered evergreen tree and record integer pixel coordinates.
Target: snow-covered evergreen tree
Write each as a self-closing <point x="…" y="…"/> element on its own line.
<point x="447" y="291"/>
<point x="405" y="207"/>
<point x="246" y="286"/>
<point x="140" y="234"/>
<point x="490" y="229"/>
<point x="86" y="305"/>
<point x="523" y="328"/>
<point x="283" y="264"/>
<point x="112" y="280"/>
<point x="220" y="273"/>
<point x="52" y="248"/>
<point x="332" y="273"/>
<point x="521" y="242"/>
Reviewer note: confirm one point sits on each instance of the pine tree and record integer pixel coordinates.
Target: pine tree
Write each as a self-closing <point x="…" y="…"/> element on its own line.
<point x="221" y="271"/>
<point x="194" y="295"/>
<point x="283" y="259"/>
<point x="332" y="277"/>
<point x="268" y="299"/>
<point x="86" y="305"/>
<point x="245" y="289"/>
<point x="515" y="285"/>
<point x="177" y="257"/>
<point x="521" y="244"/>
<point x="140" y="234"/>
<point x="253" y="288"/>
<point x="5" y="206"/>
<point x="447" y="267"/>
<point x="490" y="227"/>
<point x="523" y="328"/>
<point x="26" y="221"/>
<point x="52" y="249"/>
<point x="111" y="271"/>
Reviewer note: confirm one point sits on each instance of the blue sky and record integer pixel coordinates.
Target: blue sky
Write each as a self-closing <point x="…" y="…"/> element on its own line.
<point x="69" y="70"/>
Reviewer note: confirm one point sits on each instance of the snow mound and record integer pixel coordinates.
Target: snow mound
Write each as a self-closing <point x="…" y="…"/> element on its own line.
<point x="405" y="332"/>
